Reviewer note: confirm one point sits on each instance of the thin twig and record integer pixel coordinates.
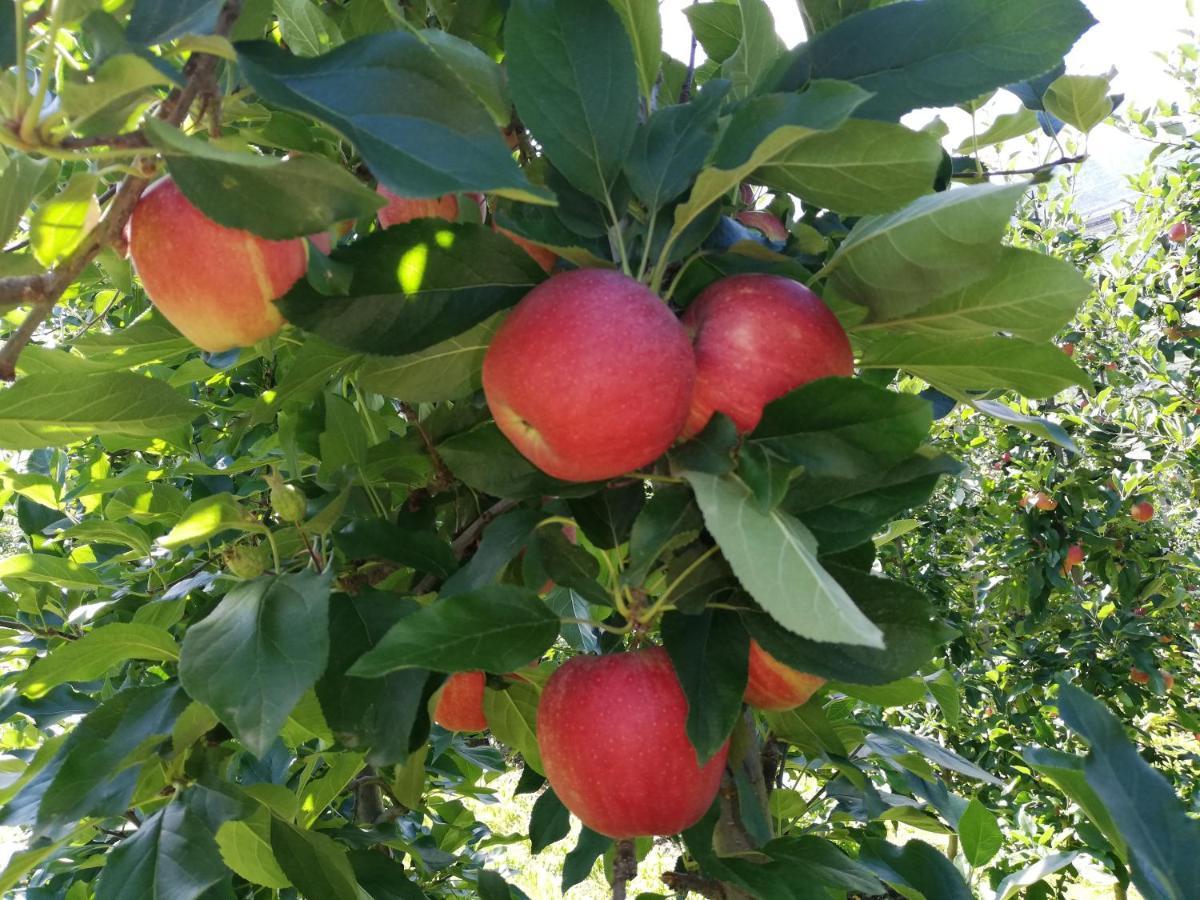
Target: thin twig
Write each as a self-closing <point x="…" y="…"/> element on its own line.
<point x="685" y="92"/>
<point x="466" y="538"/>
<point x="132" y="139"/>
<point x="444" y="478"/>
<point x="1032" y="170"/>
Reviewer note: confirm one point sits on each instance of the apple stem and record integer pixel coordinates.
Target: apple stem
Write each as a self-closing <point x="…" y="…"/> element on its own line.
<point x="624" y="868"/>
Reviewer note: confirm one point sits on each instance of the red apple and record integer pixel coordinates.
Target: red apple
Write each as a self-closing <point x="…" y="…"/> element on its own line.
<point x="1068" y="348"/>
<point x="612" y="734"/>
<point x="543" y="256"/>
<point x="1042" y="501"/>
<point x="1142" y="512"/>
<point x="405" y="209"/>
<point x="771" y="227"/>
<point x="1179" y="232"/>
<point x="756" y="338"/>
<point x="772" y="685"/>
<point x="217" y="285"/>
<point x="1075" y="556"/>
<point x="590" y="376"/>
<point x="1137" y="676"/>
<point x="1168" y="681"/>
<point x="460" y="704"/>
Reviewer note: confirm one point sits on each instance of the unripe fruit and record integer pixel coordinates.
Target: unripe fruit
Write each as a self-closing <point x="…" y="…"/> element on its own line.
<point x="288" y="503"/>
<point x="757" y="337"/>
<point x="217" y="285"/>
<point x="406" y="209"/>
<point x="1142" y="512"/>
<point x="612" y="731"/>
<point x="590" y="376"/>
<point x="245" y="560"/>
<point x="772" y="685"/>
<point x="460" y="703"/>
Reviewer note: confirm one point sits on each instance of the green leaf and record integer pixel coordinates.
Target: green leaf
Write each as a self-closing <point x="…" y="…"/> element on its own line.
<point x="980" y="364"/>
<point x="59" y="224"/>
<point x="305" y="28"/>
<point x="19" y="181"/>
<point x="54" y="410"/>
<point x="159" y="21"/>
<point x="320" y="792"/>
<point x="580" y="860"/>
<point x="1079" y="100"/>
<point x="496" y="629"/>
<point x="670" y="148"/>
<point x="669" y="518"/>
<point x="567" y="565"/>
<point x="492" y="886"/>
<point x="512" y="717"/>
<point x="315" y="365"/>
<point x="384" y="878"/>
<point x="419" y="132"/>
<point x="503" y="539"/>
<point x="861" y="168"/>
<point x="774" y="557"/>
<point x="414" y="286"/>
<point x="710" y="653"/>
<point x="255" y="655"/>
<point x="95" y="653"/>
<point x="120" y="81"/>
<point x="1066" y="772"/>
<point x="484" y="460"/>
<point x="644" y="27"/>
<point x="902" y="615"/>
<point x="98" y="531"/>
<point x="758" y="48"/>
<point x="902" y="692"/>
<point x="607" y="517"/>
<point x="979" y="833"/>
<point x="761" y="131"/>
<point x="377" y="539"/>
<point x="899" y="262"/>
<point x="953" y="50"/>
<point x="478" y="73"/>
<point x="276" y="199"/>
<point x="446" y="371"/>
<point x="172" y="855"/>
<point x="382" y="716"/>
<point x="245" y="846"/>
<point x="1035" y="425"/>
<point x="1034" y="873"/>
<point x="549" y="822"/>
<point x="8" y="42"/>
<point x="808" y="728"/>
<point x="1163" y="841"/>
<point x="207" y="517"/>
<point x="44" y="568"/>
<point x="1005" y="127"/>
<point x="315" y="863"/>
<point x="917" y="869"/>
<point x="1027" y="294"/>
<point x="572" y="72"/>
<point x="717" y="27"/>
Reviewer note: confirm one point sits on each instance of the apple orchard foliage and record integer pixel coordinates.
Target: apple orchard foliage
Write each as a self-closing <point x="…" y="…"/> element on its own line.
<point x="254" y="580"/>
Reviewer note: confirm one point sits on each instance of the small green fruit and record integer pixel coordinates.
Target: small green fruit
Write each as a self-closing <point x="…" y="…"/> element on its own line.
<point x="246" y="560"/>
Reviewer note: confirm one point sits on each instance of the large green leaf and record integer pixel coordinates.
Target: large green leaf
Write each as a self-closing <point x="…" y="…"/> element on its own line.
<point x="761" y="131"/>
<point x="45" y="568"/>
<point x="21" y="176"/>
<point x="382" y="716"/>
<point x="549" y="822"/>
<point x="414" y="286"/>
<point x="53" y="410"/>
<point x="420" y="132"/>
<point x="669" y="518"/>
<point x="446" y="371"/>
<point x="951" y="51"/>
<point x="1163" y="841"/>
<point x="207" y="517"/>
<point x="496" y="629"/>
<point x="60" y="223"/>
<point x="902" y="615"/>
<point x="572" y="73"/>
<point x="861" y="168"/>
<point x="916" y="869"/>
<point x="1027" y="294"/>
<point x="644" y="27"/>
<point x="1079" y="100"/>
<point x="775" y="559"/>
<point x="159" y="21"/>
<point x="1066" y="772"/>
<point x="757" y="50"/>
<point x="710" y="653"/>
<point x="245" y="846"/>
<point x="8" y="40"/>
<point x="95" y="653"/>
<point x="274" y="198"/>
<point x="899" y="262"/>
<point x="980" y="834"/>
<point x="1005" y="127"/>
<point x="315" y="863"/>
<point x="172" y="854"/>
<point x="258" y="652"/>
<point x="305" y="27"/>
<point x="478" y="73"/>
<point x="485" y="460"/>
<point x="717" y="27"/>
<point x="512" y="717"/>
<point x="980" y="364"/>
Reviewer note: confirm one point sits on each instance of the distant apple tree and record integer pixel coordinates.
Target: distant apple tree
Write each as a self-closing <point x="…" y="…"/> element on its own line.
<point x="403" y="396"/>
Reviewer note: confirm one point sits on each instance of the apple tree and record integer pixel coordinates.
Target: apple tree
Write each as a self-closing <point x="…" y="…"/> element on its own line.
<point x="405" y="395"/>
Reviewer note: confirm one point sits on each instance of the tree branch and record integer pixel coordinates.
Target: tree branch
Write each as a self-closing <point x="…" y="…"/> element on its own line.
<point x="42" y="291"/>
<point x="466" y="538"/>
<point x="1032" y="170"/>
<point x="682" y="882"/>
<point x="624" y="868"/>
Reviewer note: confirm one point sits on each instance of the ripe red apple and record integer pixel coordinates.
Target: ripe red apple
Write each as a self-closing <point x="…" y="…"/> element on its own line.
<point x="612" y="734"/>
<point x="1042" y="501"/>
<point x="1179" y="232"/>
<point x="771" y="227"/>
<point x="217" y="285"/>
<point x="460" y="704"/>
<point x="590" y="376"/>
<point x="1068" y="348"/>
<point x="1137" y="676"/>
<point x="1142" y="512"/>
<point x="1075" y="556"/>
<point x="772" y="685"/>
<point x="756" y="338"/>
<point x="405" y="209"/>
<point x="543" y="256"/>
